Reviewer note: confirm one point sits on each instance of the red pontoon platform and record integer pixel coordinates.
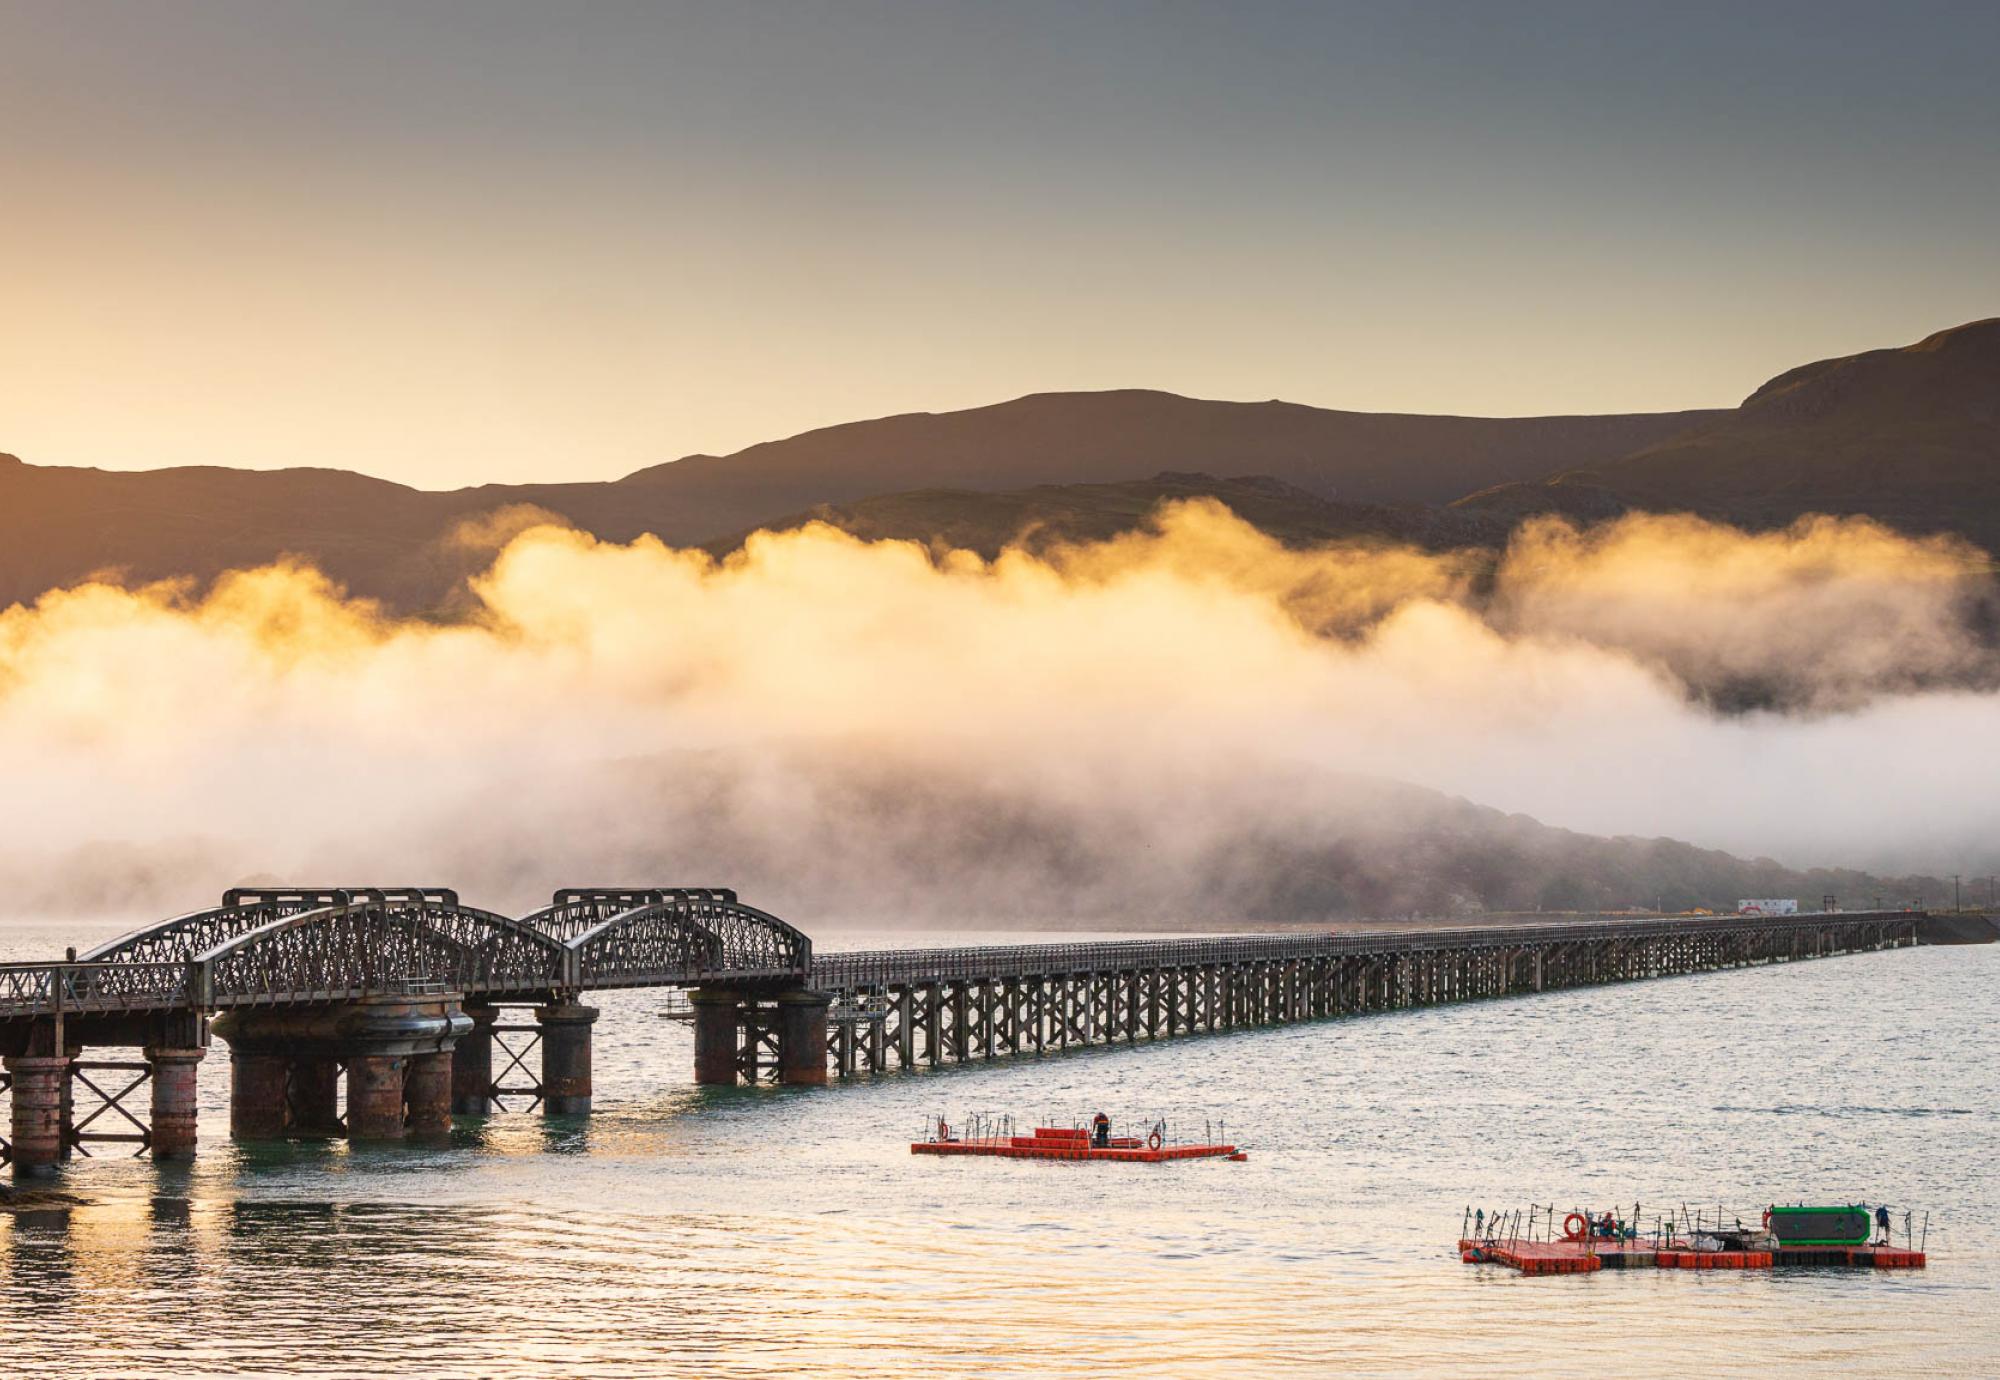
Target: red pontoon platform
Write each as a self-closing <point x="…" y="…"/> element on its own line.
<point x="1070" y="1143"/>
<point x="1787" y="1236"/>
<point x="1561" y="1257"/>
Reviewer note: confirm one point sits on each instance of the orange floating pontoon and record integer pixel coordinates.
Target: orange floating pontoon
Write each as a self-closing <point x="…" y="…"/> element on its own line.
<point x="1069" y="1143"/>
<point x="1600" y="1241"/>
<point x="1572" y="1257"/>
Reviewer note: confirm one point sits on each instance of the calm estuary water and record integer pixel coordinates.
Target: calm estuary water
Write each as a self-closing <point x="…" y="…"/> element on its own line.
<point x="768" y="1231"/>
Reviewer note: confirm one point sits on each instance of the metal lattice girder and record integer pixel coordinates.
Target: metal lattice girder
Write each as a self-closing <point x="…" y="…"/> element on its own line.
<point x="298" y="945"/>
<point x="377" y="942"/>
<point x="184" y="937"/>
<point x="636" y="937"/>
<point x="573" y="910"/>
<point x="30" y="989"/>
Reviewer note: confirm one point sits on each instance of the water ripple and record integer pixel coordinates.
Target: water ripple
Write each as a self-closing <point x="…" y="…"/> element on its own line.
<point x="757" y="1232"/>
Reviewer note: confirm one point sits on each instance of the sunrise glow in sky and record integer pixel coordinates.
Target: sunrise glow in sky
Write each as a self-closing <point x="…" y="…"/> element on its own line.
<point x="463" y="242"/>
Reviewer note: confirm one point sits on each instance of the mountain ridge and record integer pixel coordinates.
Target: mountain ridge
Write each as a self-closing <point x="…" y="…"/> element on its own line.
<point x="1909" y="435"/>
<point x="385" y="540"/>
<point x="1050" y="514"/>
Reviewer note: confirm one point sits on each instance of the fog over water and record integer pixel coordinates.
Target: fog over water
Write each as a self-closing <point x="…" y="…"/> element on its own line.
<point x="872" y="730"/>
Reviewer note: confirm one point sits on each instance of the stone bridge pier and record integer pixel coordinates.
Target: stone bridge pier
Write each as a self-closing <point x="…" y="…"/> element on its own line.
<point x="744" y="1033"/>
<point x="396" y="1051"/>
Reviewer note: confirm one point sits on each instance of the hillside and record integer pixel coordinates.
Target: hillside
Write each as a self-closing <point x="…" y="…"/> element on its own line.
<point x="1068" y="438"/>
<point x="916" y="838"/>
<point x="1048" y="514"/>
<point x="59" y="525"/>
<point x="914" y="842"/>
<point x="1910" y="436"/>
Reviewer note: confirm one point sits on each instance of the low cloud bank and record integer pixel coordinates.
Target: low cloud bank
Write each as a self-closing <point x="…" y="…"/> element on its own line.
<point x="1185" y="724"/>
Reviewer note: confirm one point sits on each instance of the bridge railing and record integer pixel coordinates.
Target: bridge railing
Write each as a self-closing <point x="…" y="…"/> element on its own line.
<point x="469" y="961"/>
<point x="46" y="989"/>
<point x="865" y="968"/>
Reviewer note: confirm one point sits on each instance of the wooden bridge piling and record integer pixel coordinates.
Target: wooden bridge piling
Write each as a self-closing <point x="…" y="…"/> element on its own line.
<point x="919" y="1008"/>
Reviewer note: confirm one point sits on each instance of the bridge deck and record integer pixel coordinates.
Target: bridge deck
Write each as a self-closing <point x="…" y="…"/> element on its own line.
<point x="882" y="968"/>
<point x="907" y="1008"/>
<point x="648" y="946"/>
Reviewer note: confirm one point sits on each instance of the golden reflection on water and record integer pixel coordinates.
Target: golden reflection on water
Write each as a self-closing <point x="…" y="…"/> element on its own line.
<point x="761" y="1231"/>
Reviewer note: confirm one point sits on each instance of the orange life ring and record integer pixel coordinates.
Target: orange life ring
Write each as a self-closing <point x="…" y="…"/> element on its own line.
<point x="1767" y="1219"/>
<point x="1155" y="1140"/>
<point x="1574" y="1226"/>
<point x="944" y="1129"/>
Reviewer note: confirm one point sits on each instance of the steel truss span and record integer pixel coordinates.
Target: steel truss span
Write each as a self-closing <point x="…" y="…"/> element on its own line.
<point x="299" y="946"/>
<point x="637" y="937"/>
<point x="374" y="947"/>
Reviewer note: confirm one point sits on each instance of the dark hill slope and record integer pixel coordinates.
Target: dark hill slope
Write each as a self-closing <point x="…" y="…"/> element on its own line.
<point x="920" y="841"/>
<point x="1911" y="436"/>
<point x="1069" y="438"/>
<point x="383" y="540"/>
<point x="969" y="520"/>
<point x="58" y="526"/>
<point x="922" y="838"/>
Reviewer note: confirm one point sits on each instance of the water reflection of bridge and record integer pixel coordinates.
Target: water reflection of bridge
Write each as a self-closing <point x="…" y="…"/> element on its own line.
<point x="429" y="1008"/>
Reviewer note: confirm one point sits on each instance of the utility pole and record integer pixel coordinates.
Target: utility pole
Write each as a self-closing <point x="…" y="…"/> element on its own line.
<point x="1954" y="893"/>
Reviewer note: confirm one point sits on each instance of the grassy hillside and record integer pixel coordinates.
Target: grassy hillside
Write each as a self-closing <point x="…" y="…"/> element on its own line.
<point x="383" y="540"/>
<point x="1070" y="438"/>
<point x="1910" y="436"/>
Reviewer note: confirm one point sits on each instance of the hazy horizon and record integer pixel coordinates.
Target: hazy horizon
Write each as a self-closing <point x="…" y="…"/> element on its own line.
<point x="360" y="468"/>
<point x="491" y="243"/>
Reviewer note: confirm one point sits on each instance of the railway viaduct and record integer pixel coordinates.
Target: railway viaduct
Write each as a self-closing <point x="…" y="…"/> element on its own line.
<point x="428" y="1008"/>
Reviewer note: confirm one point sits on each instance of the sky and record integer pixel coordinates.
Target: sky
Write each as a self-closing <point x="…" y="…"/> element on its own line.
<point x="450" y="243"/>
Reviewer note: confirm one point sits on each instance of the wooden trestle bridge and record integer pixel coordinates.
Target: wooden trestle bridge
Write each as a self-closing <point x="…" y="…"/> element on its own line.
<point x="407" y="994"/>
